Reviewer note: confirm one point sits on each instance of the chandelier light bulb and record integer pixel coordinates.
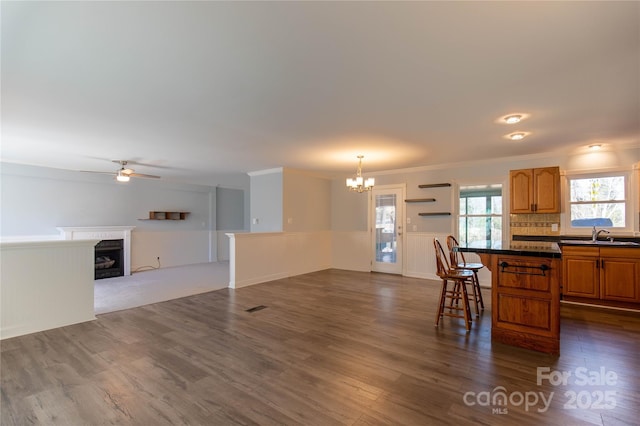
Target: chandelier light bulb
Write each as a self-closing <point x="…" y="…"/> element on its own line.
<point x="358" y="183"/>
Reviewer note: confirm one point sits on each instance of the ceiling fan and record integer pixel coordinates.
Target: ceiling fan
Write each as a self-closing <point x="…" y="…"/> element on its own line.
<point x="124" y="174"/>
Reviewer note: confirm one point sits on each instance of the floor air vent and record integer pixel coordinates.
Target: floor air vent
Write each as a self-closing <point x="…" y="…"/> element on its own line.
<point x="255" y="308"/>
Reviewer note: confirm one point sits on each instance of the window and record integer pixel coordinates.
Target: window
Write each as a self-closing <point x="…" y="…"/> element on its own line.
<point x="598" y="200"/>
<point x="480" y="217"/>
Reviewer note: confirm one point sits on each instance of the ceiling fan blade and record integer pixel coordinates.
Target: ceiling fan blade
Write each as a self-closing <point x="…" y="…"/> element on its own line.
<point x="95" y="171"/>
<point x="142" y="175"/>
<point x="126" y="171"/>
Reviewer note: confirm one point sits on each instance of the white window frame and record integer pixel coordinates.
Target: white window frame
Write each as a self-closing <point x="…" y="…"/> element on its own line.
<point x="455" y="200"/>
<point x="492" y="215"/>
<point x="630" y="218"/>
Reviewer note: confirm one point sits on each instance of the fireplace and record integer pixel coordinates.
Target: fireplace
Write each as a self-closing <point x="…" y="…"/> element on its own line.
<point x="106" y="234"/>
<point x="109" y="259"/>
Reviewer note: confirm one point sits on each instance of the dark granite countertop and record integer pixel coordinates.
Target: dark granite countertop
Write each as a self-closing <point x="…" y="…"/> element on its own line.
<point x="599" y="243"/>
<point x="567" y="238"/>
<point x="517" y="248"/>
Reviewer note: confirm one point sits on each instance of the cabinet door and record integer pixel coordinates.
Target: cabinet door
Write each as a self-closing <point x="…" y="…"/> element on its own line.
<point x="546" y="182"/>
<point x="581" y="276"/>
<point x="521" y="185"/>
<point x="620" y="279"/>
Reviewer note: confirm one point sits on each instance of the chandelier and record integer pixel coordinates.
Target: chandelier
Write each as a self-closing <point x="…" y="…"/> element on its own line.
<point x="359" y="184"/>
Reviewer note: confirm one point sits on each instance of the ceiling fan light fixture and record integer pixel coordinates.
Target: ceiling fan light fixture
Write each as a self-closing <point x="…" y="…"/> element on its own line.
<point x="121" y="177"/>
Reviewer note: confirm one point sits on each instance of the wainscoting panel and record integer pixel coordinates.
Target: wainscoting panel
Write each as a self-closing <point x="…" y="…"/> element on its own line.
<point x="175" y="248"/>
<point x="222" y="241"/>
<point x="258" y="257"/>
<point x="351" y="251"/>
<point x="265" y="256"/>
<point x="420" y="255"/>
<point x="45" y="285"/>
<point x="308" y="252"/>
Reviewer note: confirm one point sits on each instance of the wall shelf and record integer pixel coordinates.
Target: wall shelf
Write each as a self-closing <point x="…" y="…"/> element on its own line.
<point x="420" y="200"/>
<point x="435" y="214"/>
<point x="162" y="215"/>
<point x="434" y="185"/>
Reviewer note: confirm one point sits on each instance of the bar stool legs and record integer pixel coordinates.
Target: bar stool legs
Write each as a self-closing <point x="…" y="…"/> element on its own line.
<point x="457" y="296"/>
<point x="477" y="292"/>
<point x="458" y="306"/>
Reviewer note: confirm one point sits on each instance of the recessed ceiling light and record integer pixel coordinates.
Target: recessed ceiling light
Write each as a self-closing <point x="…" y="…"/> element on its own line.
<point x="595" y="147"/>
<point x="513" y="119"/>
<point x="517" y="136"/>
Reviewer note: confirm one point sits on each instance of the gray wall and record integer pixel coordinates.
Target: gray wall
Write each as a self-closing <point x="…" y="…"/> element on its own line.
<point x="36" y="200"/>
<point x="266" y="201"/>
<point x="230" y="209"/>
<point x="348" y="209"/>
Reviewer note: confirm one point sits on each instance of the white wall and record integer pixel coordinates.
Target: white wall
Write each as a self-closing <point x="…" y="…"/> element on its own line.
<point x="349" y="211"/>
<point x="306" y="202"/>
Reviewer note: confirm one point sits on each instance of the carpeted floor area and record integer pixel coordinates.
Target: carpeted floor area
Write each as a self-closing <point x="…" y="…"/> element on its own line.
<point x="158" y="285"/>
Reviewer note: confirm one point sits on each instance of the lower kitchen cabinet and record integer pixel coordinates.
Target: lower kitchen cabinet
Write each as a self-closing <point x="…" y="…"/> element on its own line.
<point x="620" y="274"/>
<point x="580" y="269"/>
<point x="601" y="273"/>
<point x="526" y="302"/>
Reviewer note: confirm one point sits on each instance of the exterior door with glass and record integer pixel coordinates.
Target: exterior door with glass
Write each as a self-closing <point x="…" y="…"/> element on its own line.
<point x="387" y="211"/>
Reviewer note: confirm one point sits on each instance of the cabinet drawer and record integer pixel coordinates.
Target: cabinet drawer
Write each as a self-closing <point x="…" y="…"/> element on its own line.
<point x="620" y="252"/>
<point x="525" y="274"/>
<point x="580" y="251"/>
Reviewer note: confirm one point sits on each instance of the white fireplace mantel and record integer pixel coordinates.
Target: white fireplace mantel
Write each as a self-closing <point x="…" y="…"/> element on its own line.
<point x="102" y="233"/>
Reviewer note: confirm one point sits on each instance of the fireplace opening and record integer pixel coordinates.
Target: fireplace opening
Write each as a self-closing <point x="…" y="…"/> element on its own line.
<point x="109" y="259"/>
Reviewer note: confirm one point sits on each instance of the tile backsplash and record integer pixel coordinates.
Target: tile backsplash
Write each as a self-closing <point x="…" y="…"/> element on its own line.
<point x="534" y="224"/>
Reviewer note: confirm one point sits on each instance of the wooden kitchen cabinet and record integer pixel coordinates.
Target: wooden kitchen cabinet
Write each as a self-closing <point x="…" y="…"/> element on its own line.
<point x="620" y="274"/>
<point x="535" y="190"/>
<point x="526" y="302"/>
<point x="525" y="293"/>
<point x="608" y="274"/>
<point x="580" y="269"/>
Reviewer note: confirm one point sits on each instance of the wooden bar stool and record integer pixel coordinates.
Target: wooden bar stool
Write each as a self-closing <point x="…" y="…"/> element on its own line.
<point x="457" y="296"/>
<point x="458" y="262"/>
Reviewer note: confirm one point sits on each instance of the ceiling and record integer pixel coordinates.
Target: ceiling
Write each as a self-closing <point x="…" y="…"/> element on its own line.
<point x="191" y="90"/>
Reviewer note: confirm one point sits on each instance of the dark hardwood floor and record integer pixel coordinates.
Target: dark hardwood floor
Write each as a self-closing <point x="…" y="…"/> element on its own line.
<point x="330" y="348"/>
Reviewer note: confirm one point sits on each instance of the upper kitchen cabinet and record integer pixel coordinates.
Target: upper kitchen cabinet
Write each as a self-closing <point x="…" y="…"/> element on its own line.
<point x="535" y="190"/>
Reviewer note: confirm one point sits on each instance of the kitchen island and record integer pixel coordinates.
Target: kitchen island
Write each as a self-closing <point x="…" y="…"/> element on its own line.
<point x="525" y="293"/>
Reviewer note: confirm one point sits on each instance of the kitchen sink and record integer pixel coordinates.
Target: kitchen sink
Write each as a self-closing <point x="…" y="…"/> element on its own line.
<point x="599" y="243"/>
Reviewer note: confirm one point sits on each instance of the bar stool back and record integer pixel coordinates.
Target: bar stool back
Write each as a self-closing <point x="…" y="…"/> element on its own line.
<point x="457" y="296"/>
<point x="459" y="262"/>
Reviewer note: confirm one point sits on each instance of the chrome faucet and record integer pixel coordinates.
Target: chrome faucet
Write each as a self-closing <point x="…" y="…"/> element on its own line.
<point x="595" y="234"/>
